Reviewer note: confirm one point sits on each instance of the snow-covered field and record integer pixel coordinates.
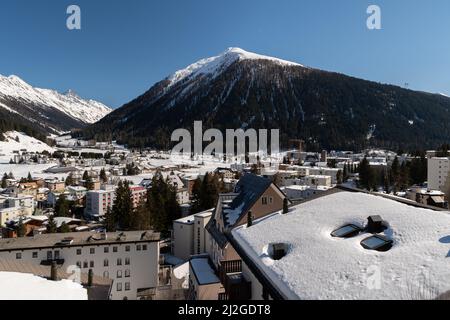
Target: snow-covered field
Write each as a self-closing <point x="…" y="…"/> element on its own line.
<point x="318" y="266"/>
<point x="23" y="286"/>
<point x="16" y="141"/>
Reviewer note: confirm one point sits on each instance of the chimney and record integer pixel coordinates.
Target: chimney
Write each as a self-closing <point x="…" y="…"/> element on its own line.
<point x="104" y="235"/>
<point x="249" y="219"/>
<point x="375" y="224"/>
<point x="54" y="272"/>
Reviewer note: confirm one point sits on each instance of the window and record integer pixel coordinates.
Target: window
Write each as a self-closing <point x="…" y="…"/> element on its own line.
<point x="377" y="242"/>
<point x="79" y="264"/>
<point x="92" y="251"/>
<point x="106" y="249"/>
<point x="127" y="286"/>
<point x="127" y="273"/>
<point x="119" y="262"/>
<point x="114" y="249"/>
<point x="127" y="261"/>
<point x="106" y="274"/>
<point x="35" y="255"/>
<point x="92" y="264"/>
<point x="119" y="274"/>
<point x="119" y="287"/>
<point x="138" y="247"/>
<point x="347" y="231"/>
<point x="270" y="200"/>
<point x="56" y="255"/>
<point x="105" y="263"/>
<point x="264" y="201"/>
<point x="78" y="252"/>
<point x="85" y="264"/>
<point x="127" y="248"/>
<point x="18" y="255"/>
<point x="49" y="255"/>
<point x="144" y="247"/>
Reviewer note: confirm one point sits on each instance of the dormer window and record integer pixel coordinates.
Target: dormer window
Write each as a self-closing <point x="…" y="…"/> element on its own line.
<point x="346" y="231"/>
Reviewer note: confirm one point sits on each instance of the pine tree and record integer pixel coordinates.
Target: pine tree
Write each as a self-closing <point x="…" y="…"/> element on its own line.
<point x="103" y="176"/>
<point x="123" y="206"/>
<point x="85" y="175"/>
<point x="62" y="207"/>
<point x="51" y="225"/>
<point x="64" y="228"/>
<point x="29" y="178"/>
<point x="395" y="174"/>
<point x="339" y="177"/>
<point x="11" y="176"/>
<point x="366" y="175"/>
<point x="69" y="180"/>
<point x="196" y="205"/>
<point x="110" y="222"/>
<point x="4" y="182"/>
<point x="285" y="206"/>
<point x="21" y="229"/>
<point x="345" y="173"/>
<point x="162" y="205"/>
<point x="89" y="183"/>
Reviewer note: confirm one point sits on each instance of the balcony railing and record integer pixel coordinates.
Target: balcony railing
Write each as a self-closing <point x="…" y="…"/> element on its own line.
<point x="236" y="286"/>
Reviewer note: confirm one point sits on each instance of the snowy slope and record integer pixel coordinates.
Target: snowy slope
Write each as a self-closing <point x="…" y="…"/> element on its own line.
<point x="15" y="90"/>
<point x="23" y="141"/>
<point x="215" y="65"/>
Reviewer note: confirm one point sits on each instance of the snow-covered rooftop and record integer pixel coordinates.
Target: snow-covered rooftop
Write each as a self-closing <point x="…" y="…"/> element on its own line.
<point x="319" y="266"/>
<point x="23" y="286"/>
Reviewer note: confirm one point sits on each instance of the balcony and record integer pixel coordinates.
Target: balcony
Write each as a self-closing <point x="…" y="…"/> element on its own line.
<point x="49" y="262"/>
<point x="236" y="286"/>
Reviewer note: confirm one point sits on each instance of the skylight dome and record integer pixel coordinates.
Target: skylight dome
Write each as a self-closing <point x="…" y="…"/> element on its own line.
<point x="346" y="231"/>
<point x="377" y="242"/>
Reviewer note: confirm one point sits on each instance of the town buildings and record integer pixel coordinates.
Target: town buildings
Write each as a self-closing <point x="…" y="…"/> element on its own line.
<point x="129" y="259"/>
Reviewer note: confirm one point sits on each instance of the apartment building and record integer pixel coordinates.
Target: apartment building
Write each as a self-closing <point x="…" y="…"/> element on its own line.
<point x="253" y="196"/>
<point x="438" y="172"/>
<point x="98" y="201"/>
<point x="130" y="259"/>
<point x="189" y="235"/>
<point x="138" y="194"/>
<point x="11" y="208"/>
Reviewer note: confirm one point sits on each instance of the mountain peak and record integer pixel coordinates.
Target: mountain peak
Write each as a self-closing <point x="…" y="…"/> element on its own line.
<point x="215" y="65"/>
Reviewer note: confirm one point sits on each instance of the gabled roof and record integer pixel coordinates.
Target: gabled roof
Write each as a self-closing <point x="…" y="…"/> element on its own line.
<point x="250" y="188"/>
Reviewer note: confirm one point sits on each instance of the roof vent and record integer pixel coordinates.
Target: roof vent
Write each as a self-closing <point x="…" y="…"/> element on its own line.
<point x="375" y="224"/>
<point x="278" y="250"/>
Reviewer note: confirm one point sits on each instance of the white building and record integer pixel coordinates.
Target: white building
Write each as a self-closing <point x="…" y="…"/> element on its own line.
<point x="438" y="172"/>
<point x="12" y="208"/>
<point x="130" y="259"/>
<point x="189" y="235"/>
<point x="318" y="180"/>
<point x="98" y="201"/>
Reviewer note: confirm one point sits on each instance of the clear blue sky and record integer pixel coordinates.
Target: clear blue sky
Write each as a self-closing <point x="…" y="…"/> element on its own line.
<point x="124" y="47"/>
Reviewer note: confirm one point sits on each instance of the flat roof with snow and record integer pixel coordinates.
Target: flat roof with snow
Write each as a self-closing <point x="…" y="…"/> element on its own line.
<point x="203" y="271"/>
<point x="319" y="266"/>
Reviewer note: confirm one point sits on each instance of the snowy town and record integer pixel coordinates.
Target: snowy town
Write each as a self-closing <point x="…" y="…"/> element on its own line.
<point x="135" y="225"/>
<point x="224" y="159"/>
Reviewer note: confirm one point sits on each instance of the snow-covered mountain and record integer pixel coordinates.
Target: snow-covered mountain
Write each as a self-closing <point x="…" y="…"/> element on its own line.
<point x="48" y="108"/>
<point x="240" y="89"/>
